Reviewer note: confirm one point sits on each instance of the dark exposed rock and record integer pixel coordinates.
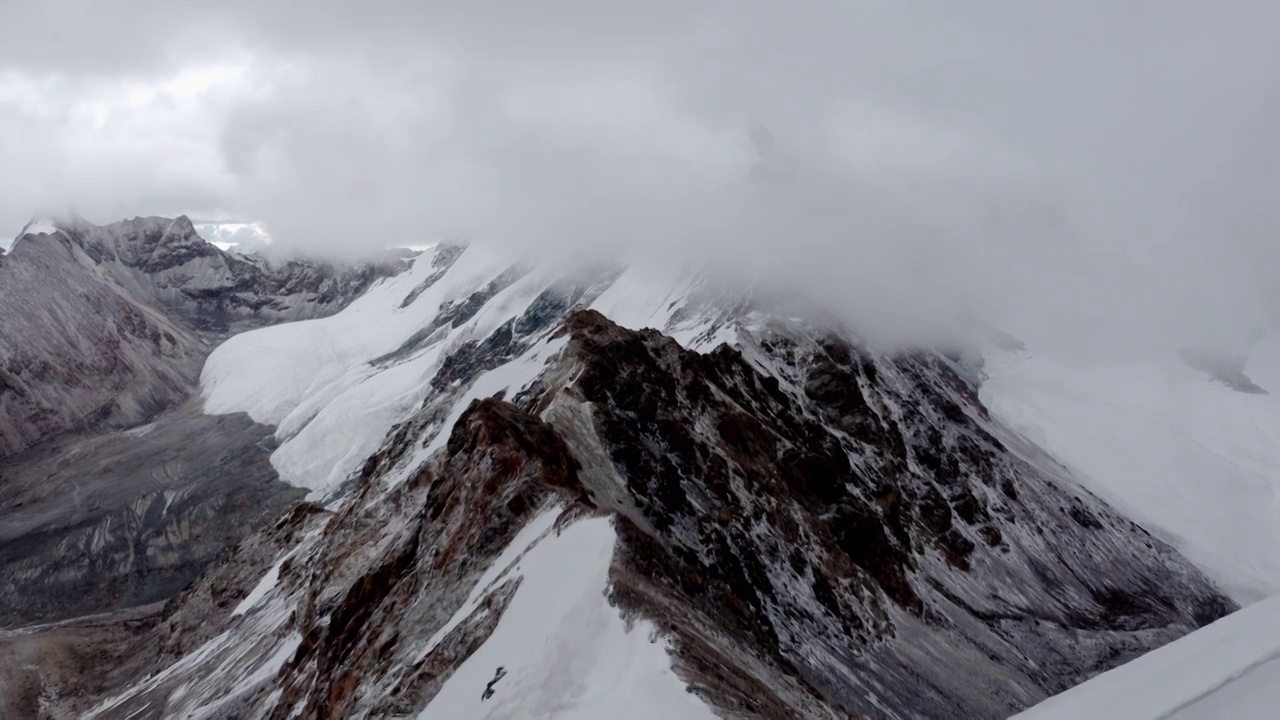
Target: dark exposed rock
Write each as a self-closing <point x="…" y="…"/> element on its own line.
<point x="1221" y="366"/>
<point x="500" y="466"/>
<point x="166" y="263"/>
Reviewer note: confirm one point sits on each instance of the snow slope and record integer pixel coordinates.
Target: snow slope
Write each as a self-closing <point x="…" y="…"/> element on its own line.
<point x="436" y="579"/>
<point x="315" y="379"/>
<point x="1230" y="669"/>
<point x="563" y="651"/>
<point x="1186" y="457"/>
<point x="331" y="390"/>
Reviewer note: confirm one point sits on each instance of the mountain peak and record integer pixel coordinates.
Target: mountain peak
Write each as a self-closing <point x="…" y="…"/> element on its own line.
<point x="182" y="225"/>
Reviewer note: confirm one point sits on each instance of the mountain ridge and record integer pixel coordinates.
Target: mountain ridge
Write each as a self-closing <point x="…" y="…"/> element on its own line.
<point x="833" y="528"/>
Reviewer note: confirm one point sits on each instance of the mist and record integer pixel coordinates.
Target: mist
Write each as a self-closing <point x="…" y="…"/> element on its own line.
<point x="1097" y="178"/>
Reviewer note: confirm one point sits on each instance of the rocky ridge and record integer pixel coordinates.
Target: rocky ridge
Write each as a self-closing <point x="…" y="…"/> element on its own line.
<point x="813" y="528"/>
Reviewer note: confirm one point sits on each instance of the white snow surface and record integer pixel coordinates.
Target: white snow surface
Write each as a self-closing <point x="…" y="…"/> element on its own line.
<point x="565" y="651"/>
<point x="1230" y="669"/>
<point x="1191" y="460"/>
<point x="40" y="226"/>
<point x="1198" y="464"/>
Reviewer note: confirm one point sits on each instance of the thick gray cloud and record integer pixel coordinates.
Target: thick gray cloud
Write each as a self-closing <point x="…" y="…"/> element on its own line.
<point x="1096" y="172"/>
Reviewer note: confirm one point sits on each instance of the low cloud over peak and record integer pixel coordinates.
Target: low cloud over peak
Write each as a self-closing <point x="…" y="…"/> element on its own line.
<point x="1093" y="172"/>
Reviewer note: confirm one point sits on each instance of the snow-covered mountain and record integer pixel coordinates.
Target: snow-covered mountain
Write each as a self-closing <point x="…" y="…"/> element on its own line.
<point x="538" y="491"/>
<point x="1193" y="459"/>
<point x="550" y="493"/>
<point x="167" y="263"/>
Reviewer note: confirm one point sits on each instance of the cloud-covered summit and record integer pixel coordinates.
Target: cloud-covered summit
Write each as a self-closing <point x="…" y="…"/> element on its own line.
<point x="1096" y="170"/>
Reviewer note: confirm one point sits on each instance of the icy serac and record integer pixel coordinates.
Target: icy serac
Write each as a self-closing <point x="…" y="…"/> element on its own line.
<point x="574" y="494"/>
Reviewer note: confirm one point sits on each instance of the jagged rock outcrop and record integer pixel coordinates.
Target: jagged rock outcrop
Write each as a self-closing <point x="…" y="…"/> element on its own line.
<point x="167" y="263"/>
<point x="1223" y="367"/>
<point x="854" y="527"/>
<point x="817" y="530"/>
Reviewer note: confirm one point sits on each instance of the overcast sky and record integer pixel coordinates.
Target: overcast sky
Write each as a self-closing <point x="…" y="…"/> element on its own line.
<point x="1067" y="163"/>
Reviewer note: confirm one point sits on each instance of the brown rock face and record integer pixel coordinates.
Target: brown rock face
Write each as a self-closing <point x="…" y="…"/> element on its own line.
<point x="108" y="326"/>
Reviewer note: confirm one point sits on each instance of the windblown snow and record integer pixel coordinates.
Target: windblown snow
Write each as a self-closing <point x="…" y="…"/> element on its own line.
<point x="40" y="226"/>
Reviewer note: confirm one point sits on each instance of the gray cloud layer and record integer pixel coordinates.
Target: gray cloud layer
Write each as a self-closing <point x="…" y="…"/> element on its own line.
<point x="1095" y="171"/>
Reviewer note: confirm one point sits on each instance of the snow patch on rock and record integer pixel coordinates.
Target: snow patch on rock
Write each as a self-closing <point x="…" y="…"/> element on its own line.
<point x="561" y="650"/>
